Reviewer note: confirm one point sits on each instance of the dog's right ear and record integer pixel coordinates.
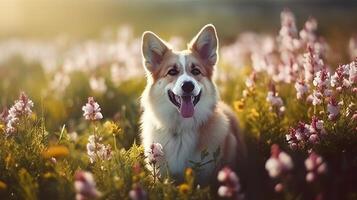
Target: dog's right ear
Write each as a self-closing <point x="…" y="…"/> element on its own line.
<point x="153" y="50"/>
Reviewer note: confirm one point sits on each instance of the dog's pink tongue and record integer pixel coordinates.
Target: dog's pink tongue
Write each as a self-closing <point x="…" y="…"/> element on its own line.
<point x="187" y="107"/>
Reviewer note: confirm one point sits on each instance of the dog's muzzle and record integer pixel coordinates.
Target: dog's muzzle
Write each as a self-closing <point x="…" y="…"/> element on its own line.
<point x="184" y="103"/>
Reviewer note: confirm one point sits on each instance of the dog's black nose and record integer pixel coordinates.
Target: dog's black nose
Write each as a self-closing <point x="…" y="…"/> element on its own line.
<point x="187" y="86"/>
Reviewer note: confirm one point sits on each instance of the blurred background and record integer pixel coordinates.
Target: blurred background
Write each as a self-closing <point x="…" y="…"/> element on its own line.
<point x="89" y="18"/>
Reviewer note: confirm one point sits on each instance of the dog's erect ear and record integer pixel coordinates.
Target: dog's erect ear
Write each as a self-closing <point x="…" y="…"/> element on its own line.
<point x="205" y="43"/>
<point x="153" y="50"/>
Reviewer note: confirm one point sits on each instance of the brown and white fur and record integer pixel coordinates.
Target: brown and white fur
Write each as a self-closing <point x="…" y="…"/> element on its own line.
<point x="185" y="132"/>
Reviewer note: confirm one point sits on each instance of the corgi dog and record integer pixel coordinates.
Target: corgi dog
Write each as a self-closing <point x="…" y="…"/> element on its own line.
<point x="181" y="107"/>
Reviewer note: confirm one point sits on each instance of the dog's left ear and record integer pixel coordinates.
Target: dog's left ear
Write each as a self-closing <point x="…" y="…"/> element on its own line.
<point x="205" y="44"/>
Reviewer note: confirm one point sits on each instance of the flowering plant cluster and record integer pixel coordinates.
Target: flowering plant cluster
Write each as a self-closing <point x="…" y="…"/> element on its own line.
<point x="306" y="134"/>
<point x="21" y="108"/>
<point x="231" y="186"/>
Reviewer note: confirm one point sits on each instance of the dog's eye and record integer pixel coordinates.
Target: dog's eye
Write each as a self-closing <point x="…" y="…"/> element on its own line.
<point x="196" y="72"/>
<point x="173" y="72"/>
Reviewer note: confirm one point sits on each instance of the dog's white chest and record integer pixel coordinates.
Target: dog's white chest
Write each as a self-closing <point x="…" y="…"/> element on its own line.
<point x="179" y="149"/>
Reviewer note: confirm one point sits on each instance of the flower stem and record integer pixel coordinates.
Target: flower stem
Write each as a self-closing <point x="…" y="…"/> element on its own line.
<point x="154" y="173"/>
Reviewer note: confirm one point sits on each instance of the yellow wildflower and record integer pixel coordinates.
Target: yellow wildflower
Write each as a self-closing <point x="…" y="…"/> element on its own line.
<point x="238" y="105"/>
<point x="189" y="176"/>
<point x="188" y="173"/>
<point x="253" y="114"/>
<point x="111" y="127"/>
<point x="2" y="128"/>
<point x="33" y="117"/>
<point x="56" y="151"/>
<point x="184" y="188"/>
<point x="9" y="160"/>
<point x="48" y="175"/>
<point x="3" y="186"/>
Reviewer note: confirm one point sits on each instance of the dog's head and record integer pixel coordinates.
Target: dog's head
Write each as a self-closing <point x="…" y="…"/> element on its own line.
<point x="182" y="80"/>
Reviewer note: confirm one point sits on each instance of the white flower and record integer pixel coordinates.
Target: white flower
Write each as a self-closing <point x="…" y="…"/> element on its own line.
<point x="85" y="186"/>
<point x="320" y="124"/>
<point x="231" y="186"/>
<point x="224" y="191"/>
<point x="321" y="79"/>
<point x="315" y="166"/>
<point x="286" y="161"/>
<point x="22" y="107"/>
<point x="275" y="101"/>
<point x="278" y="163"/>
<point x="353" y="72"/>
<point x="73" y="136"/>
<point x="92" y="110"/>
<point x="310" y="177"/>
<point x="313" y="138"/>
<point x="333" y="110"/>
<point x="249" y="82"/>
<point x="98" y="84"/>
<point x="334" y="79"/>
<point x="226" y="174"/>
<point x="312" y="63"/>
<point x="97" y="150"/>
<point x="308" y="33"/>
<point x="273" y="167"/>
<point x="315" y="98"/>
<point x="155" y="152"/>
<point x="301" y="89"/>
<point x="60" y="82"/>
<point x="322" y="168"/>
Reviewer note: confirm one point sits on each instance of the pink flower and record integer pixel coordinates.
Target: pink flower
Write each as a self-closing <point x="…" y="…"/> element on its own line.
<point x="231" y="186"/>
<point x="312" y="63"/>
<point x="22" y="107"/>
<point x="353" y="72"/>
<point x="137" y="193"/>
<point x="333" y="109"/>
<point x="322" y="80"/>
<point x="250" y="81"/>
<point x="155" y="153"/>
<point x="306" y="134"/>
<point x="288" y="34"/>
<point x="315" y="166"/>
<point x="225" y="191"/>
<point x="339" y="79"/>
<point x="316" y="98"/>
<point x="278" y="163"/>
<point x="301" y="89"/>
<point x="227" y="175"/>
<point x="97" y="84"/>
<point x="279" y="187"/>
<point x="96" y="150"/>
<point x="85" y="186"/>
<point x="4" y="115"/>
<point x="275" y="101"/>
<point x="308" y="33"/>
<point x="92" y="110"/>
<point x="353" y="47"/>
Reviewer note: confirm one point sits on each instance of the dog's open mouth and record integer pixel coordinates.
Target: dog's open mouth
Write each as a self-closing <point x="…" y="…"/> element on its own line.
<point x="185" y="104"/>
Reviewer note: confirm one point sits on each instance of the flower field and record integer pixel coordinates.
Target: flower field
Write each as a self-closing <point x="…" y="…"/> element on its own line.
<point x="69" y="126"/>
